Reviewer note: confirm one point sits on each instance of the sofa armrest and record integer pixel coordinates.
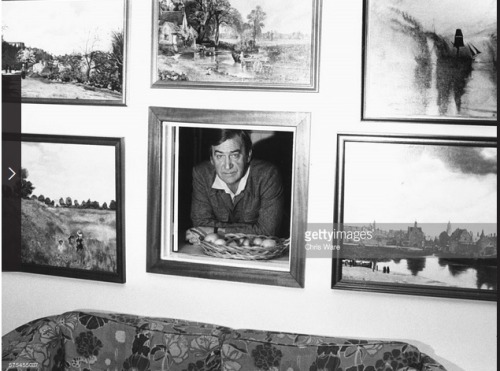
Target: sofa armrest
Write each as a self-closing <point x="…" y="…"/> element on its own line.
<point x="429" y="364"/>
<point x="37" y="345"/>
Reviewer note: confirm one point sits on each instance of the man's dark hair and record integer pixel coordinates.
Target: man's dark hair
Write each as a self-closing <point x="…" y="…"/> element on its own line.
<point x="219" y="136"/>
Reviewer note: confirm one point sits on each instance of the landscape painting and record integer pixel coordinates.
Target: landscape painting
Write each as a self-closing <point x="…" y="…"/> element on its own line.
<point x="71" y="217"/>
<point x="236" y="44"/>
<point x="66" y="51"/>
<point x="428" y="210"/>
<point x="430" y="60"/>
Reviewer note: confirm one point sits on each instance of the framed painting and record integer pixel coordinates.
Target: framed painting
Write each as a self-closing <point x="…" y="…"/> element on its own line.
<point x="417" y="216"/>
<point x="71" y="211"/>
<point x="430" y="61"/>
<point x="227" y="194"/>
<point x="67" y="52"/>
<point x="236" y="44"/>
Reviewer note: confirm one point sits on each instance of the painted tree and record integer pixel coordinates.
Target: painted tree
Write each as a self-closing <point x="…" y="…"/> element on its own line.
<point x="26" y="186"/>
<point x="70" y="69"/>
<point x="27" y="56"/>
<point x="235" y="20"/>
<point x="219" y="9"/>
<point x="256" y="19"/>
<point x="42" y="55"/>
<point x="89" y="54"/>
<point x="105" y="72"/>
<point x="223" y="13"/>
<point x="199" y="16"/>
<point x="117" y="53"/>
<point x="9" y="55"/>
<point x="206" y="17"/>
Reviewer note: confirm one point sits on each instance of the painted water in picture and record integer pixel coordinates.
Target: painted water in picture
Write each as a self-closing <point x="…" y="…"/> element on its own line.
<point x="431" y="59"/>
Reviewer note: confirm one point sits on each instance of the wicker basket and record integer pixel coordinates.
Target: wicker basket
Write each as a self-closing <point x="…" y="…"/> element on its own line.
<point x="234" y="249"/>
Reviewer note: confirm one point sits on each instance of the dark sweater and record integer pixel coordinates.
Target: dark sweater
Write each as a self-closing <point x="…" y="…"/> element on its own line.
<point x="258" y="209"/>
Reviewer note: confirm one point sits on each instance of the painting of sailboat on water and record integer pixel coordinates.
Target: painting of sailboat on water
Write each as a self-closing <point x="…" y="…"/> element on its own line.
<point x="430" y="60"/>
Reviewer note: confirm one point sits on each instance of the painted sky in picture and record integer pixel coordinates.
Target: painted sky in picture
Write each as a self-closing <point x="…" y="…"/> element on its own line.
<point x="412" y="70"/>
<point x="78" y="171"/>
<point x="401" y="183"/>
<point x="445" y="16"/>
<point x="285" y="16"/>
<point x="62" y="27"/>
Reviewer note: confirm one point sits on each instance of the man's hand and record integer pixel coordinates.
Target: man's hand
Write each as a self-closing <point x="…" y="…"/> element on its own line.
<point x="197" y="234"/>
<point x="206" y="230"/>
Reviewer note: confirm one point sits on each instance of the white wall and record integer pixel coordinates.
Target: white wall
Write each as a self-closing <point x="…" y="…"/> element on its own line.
<point x="460" y="333"/>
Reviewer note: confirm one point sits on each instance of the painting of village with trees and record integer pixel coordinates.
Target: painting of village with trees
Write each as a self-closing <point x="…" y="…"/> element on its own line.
<point x="236" y="43"/>
<point x="66" y="52"/>
<point x="70" y="217"/>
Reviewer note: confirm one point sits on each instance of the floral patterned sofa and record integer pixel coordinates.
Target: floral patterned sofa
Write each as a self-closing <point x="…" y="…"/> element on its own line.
<point x="110" y="341"/>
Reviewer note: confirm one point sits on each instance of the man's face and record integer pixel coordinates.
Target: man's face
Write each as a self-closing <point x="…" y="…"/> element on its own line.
<point x="230" y="160"/>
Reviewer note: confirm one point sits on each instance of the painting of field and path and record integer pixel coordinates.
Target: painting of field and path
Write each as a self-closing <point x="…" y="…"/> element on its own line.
<point x="66" y="51"/>
<point x="236" y="43"/>
<point x="430" y="209"/>
<point x="70" y="221"/>
<point x="432" y="60"/>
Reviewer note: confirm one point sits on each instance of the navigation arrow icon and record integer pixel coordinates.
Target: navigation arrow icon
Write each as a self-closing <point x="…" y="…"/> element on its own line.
<point x="13" y="173"/>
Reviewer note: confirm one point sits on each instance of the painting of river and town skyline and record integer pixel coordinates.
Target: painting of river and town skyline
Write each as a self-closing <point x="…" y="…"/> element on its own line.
<point x="433" y="214"/>
<point x="236" y="43"/>
<point x="430" y="60"/>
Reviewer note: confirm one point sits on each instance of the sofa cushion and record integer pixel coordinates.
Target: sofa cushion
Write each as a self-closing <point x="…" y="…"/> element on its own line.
<point x="100" y="341"/>
<point x="274" y="351"/>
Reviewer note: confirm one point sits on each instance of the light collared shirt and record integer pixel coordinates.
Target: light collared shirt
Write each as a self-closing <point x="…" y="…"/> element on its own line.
<point x="220" y="184"/>
<point x="259" y="209"/>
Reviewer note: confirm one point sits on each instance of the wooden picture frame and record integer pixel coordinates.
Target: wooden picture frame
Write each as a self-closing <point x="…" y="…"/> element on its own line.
<point x="273" y="55"/>
<point x="71" y="210"/>
<point x="167" y="194"/>
<point x="399" y="195"/>
<point x="82" y="62"/>
<point x="424" y="63"/>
